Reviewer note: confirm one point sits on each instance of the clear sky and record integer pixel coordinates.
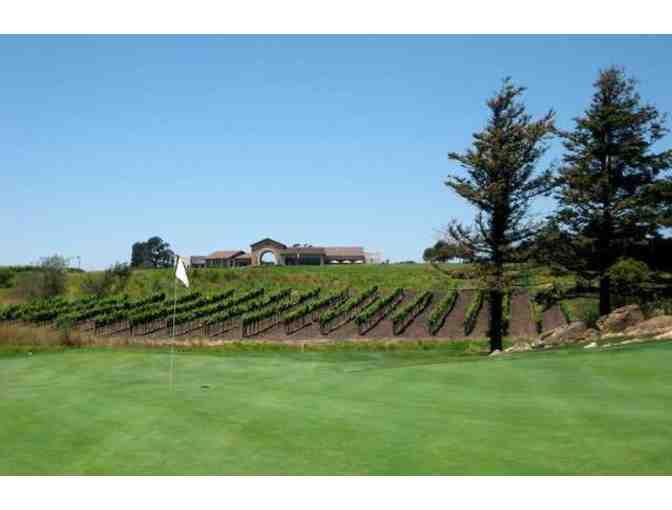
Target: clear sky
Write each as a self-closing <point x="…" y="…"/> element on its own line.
<point x="216" y="142"/>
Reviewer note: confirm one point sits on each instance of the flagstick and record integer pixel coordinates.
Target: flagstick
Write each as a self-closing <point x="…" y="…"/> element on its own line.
<point x="172" y="342"/>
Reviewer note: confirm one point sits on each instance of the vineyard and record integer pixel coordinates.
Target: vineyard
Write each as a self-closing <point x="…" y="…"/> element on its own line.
<point x="288" y="313"/>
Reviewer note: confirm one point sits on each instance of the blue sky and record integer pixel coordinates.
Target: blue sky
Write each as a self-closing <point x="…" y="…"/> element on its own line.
<point x="216" y="142"/>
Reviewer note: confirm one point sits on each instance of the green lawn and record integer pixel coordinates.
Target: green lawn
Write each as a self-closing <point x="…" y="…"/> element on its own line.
<point x="103" y="411"/>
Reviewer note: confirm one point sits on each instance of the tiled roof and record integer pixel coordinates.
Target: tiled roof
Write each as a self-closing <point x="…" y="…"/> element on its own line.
<point x="344" y="251"/>
<point x="303" y="249"/>
<point x="267" y="240"/>
<point x="224" y="254"/>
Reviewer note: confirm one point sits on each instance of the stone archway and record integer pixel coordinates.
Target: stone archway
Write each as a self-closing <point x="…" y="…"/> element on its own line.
<point x="260" y="248"/>
<point x="268" y="257"/>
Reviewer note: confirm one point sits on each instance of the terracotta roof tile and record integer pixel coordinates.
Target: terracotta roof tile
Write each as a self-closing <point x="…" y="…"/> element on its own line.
<point x="344" y="251"/>
<point x="224" y="254"/>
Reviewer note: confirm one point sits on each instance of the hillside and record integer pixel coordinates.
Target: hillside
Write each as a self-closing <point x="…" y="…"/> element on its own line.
<point x="412" y="301"/>
<point x="417" y="277"/>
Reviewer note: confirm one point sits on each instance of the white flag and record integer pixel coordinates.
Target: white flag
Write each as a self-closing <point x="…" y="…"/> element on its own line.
<point x="181" y="272"/>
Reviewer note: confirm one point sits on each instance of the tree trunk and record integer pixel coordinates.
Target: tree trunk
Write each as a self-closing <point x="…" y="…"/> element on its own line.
<point x="495" y="333"/>
<point x="605" y="295"/>
<point x="606" y="259"/>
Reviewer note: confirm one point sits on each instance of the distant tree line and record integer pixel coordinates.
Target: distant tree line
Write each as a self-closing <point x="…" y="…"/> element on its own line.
<point x="613" y="196"/>
<point x="48" y="278"/>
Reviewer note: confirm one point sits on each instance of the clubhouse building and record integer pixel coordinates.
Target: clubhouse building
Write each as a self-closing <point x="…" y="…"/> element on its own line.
<point x="269" y="251"/>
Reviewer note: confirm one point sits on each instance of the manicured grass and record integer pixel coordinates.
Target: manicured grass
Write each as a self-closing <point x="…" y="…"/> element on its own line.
<point x="424" y="412"/>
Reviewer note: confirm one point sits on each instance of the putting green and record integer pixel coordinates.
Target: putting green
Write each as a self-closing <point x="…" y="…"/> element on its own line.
<point x="112" y="412"/>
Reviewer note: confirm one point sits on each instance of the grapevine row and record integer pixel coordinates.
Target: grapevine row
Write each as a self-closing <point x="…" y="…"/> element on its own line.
<point x="439" y="313"/>
<point x="47" y="310"/>
<point x="152" y="319"/>
<point x="347" y="310"/>
<point x="407" y="314"/>
<point x="471" y="314"/>
<point x="223" y="321"/>
<point x="378" y="310"/>
<point x="266" y="318"/>
<point x="309" y="312"/>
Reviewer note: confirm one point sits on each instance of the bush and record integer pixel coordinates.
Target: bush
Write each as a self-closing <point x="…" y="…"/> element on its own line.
<point x="589" y="314"/>
<point x="112" y="281"/>
<point x="627" y="277"/>
<point x="546" y="296"/>
<point x="45" y="281"/>
<point x="6" y="277"/>
<point x="94" y="284"/>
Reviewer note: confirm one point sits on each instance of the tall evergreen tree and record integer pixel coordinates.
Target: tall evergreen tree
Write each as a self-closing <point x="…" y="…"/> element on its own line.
<point x="610" y="192"/>
<point x="501" y="183"/>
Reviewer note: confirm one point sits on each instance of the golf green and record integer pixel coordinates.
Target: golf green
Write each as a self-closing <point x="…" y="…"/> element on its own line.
<point x="106" y="411"/>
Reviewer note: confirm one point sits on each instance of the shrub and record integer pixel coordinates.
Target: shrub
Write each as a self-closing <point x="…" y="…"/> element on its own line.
<point x="94" y="284"/>
<point x="658" y="305"/>
<point x="589" y="314"/>
<point x="45" y="281"/>
<point x="114" y="279"/>
<point x="6" y="277"/>
<point x="627" y="277"/>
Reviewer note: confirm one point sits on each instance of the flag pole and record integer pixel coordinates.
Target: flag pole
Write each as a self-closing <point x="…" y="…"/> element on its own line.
<point x="172" y="342"/>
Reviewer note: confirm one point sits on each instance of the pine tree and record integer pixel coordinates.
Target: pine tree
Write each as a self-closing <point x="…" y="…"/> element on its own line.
<point x="610" y="192"/>
<point x="501" y="183"/>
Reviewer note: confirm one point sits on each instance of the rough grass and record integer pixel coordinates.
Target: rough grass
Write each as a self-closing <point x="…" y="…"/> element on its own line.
<point x="423" y="412"/>
<point x="579" y="308"/>
<point x="20" y="339"/>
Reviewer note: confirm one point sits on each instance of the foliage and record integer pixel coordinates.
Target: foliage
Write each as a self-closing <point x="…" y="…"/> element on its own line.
<point x="501" y="183"/>
<point x="276" y="310"/>
<point x="410" y="311"/>
<point x="134" y="308"/>
<point x="506" y="312"/>
<point x="331" y="299"/>
<point x="347" y="306"/>
<point x="579" y="309"/>
<point x="441" y="311"/>
<point x="590" y="315"/>
<point x="628" y="276"/>
<point x="47" y="280"/>
<point x="611" y="194"/>
<point x="443" y="251"/>
<point x="98" y="307"/>
<point x="200" y="305"/>
<point x="112" y="280"/>
<point x="547" y="296"/>
<point x="249" y="304"/>
<point x="380" y="306"/>
<point x="472" y="311"/>
<point x="6" y="277"/>
<point x="537" y="312"/>
<point x="153" y="253"/>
